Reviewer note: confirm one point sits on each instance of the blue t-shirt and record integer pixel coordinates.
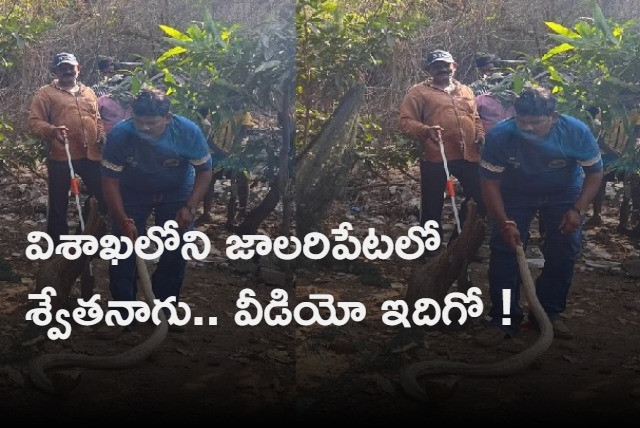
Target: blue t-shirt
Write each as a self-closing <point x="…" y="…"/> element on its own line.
<point x="550" y="170"/>
<point x="164" y="165"/>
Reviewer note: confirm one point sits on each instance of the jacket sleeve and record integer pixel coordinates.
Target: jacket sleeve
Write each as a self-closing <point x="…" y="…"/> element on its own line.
<point x="39" y="117"/>
<point x="480" y="131"/>
<point x="99" y="122"/>
<point x="410" y="122"/>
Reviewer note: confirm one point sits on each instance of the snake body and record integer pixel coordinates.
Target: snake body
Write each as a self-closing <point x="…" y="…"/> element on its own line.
<point x="409" y="376"/>
<point x="38" y="366"/>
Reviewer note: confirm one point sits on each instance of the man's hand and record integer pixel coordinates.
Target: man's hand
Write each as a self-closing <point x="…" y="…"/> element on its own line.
<point x="571" y="221"/>
<point x="184" y="217"/>
<point x="510" y="234"/>
<point x="432" y="132"/>
<point x="102" y="139"/>
<point x="128" y="229"/>
<point x="60" y="133"/>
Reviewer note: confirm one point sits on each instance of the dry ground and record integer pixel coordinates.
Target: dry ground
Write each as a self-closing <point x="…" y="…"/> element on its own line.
<point x="322" y="374"/>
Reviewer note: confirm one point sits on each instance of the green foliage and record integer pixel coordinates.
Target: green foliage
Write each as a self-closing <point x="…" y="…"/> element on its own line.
<point x="219" y="69"/>
<point x="596" y="63"/>
<point x="225" y="68"/>
<point x="340" y="46"/>
<point x="19" y="27"/>
<point x="377" y="153"/>
<point x="26" y="153"/>
<point x="5" y="128"/>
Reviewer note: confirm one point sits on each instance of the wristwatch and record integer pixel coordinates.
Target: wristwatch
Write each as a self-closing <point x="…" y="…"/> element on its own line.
<point x="579" y="211"/>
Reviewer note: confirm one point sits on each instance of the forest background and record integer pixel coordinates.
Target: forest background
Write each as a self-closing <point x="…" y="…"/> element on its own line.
<point x="334" y="72"/>
<point x="310" y="57"/>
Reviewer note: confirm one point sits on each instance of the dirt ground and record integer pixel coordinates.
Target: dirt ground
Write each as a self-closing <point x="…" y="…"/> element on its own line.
<point x="323" y="374"/>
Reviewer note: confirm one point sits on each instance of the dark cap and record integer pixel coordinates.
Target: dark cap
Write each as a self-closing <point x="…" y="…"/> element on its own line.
<point x="438" y="55"/>
<point x="64" y="58"/>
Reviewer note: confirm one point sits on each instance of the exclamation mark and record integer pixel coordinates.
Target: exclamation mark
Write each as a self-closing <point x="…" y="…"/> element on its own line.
<point x="506" y="306"/>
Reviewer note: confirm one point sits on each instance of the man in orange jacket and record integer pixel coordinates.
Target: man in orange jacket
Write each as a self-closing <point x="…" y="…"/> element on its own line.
<point x="442" y="106"/>
<point x="67" y="109"/>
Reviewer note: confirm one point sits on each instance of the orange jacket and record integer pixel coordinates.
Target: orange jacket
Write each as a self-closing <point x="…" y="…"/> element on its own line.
<point x="51" y="107"/>
<point x="455" y="112"/>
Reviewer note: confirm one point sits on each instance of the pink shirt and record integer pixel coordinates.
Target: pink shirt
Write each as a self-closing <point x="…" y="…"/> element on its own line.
<point x="492" y="111"/>
<point x="111" y="111"/>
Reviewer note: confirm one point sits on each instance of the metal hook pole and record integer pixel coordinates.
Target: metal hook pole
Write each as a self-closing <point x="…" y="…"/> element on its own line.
<point x="75" y="189"/>
<point x="450" y="188"/>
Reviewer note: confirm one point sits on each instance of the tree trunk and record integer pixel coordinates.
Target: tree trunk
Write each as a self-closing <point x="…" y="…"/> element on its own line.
<point x="61" y="273"/>
<point x="434" y="279"/>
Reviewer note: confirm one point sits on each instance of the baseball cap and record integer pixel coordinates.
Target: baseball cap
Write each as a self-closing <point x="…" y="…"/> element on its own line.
<point x="64" y="58"/>
<point x="439" y="55"/>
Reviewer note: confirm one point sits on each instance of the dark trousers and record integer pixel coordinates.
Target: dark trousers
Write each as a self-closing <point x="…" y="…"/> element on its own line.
<point x="170" y="270"/>
<point x="239" y="179"/>
<point x="239" y="194"/>
<point x="433" y="181"/>
<point x="59" y="183"/>
<point x="560" y="253"/>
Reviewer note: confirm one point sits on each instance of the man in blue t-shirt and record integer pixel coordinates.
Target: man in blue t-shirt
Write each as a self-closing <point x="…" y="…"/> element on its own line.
<point x="538" y="162"/>
<point x="156" y="162"/>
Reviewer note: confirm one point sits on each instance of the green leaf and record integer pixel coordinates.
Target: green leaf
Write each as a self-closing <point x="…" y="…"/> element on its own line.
<point x="172" y="32"/>
<point x="585" y="30"/>
<point x="564" y="47"/>
<point x="581" y="42"/>
<point x="561" y="29"/>
<point x="601" y="23"/>
<point x="554" y="75"/>
<point x="171" y="52"/>
<point x="209" y="24"/>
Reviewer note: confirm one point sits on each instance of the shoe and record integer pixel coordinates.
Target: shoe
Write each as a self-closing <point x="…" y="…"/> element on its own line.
<point x="491" y="336"/>
<point x="560" y="330"/>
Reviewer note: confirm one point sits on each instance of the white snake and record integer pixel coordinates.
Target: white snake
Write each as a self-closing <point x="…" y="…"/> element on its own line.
<point x="38" y="366"/>
<point x="409" y="376"/>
